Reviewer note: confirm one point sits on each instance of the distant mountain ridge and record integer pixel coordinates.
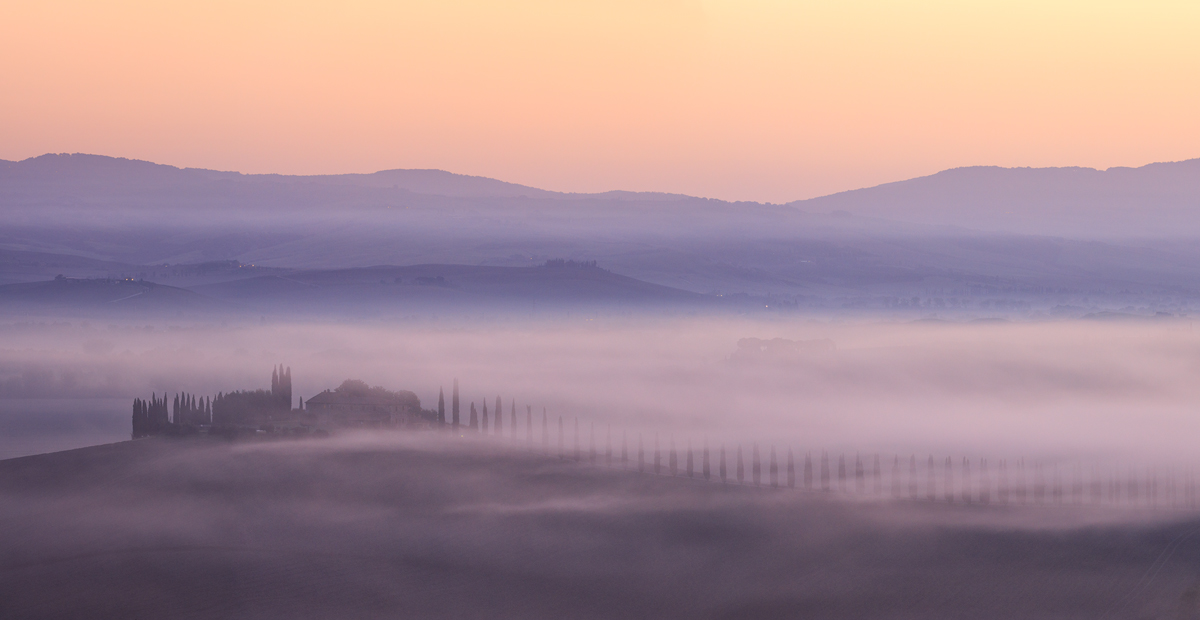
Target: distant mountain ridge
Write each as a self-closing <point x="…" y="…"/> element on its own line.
<point x="1160" y="199"/>
<point x="1156" y="199"/>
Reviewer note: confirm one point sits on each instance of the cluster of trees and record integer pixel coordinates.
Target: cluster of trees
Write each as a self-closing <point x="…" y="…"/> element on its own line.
<point x="281" y="387"/>
<point x="188" y="411"/>
<point x="482" y="423"/>
<point x="149" y="417"/>
<point x="562" y="263"/>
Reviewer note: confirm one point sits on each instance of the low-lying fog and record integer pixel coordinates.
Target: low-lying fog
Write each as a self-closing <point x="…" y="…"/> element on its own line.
<point x="1083" y="392"/>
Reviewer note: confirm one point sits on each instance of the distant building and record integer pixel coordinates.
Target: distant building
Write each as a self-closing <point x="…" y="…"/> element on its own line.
<point x="352" y="405"/>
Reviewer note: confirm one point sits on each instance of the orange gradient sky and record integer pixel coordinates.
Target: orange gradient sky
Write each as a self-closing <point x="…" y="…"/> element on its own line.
<point x="735" y="99"/>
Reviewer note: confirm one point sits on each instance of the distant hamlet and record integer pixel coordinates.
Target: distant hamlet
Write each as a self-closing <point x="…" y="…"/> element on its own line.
<point x="355" y="404"/>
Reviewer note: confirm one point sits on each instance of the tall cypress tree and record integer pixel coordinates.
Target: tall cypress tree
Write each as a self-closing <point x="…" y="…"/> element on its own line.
<point x="641" y="455"/>
<point x="704" y="468"/>
<point x="689" y="458"/>
<point x="484" y="426"/>
<point x="859" y="474"/>
<point x="657" y="459"/>
<point x="878" y="476"/>
<point x="454" y="406"/>
<point x="741" y="470"/>
<point x="473" y="422"/>
<point x="499" y="418"/>
<point x="774" y="469"/>
<point x="755" y="466"/>
<point x="825" y="471"/>
<point x="721" y="464"/>
<point x="842" y="473"/>
<point x="791" y="470"/>
<point x="671" y="461"/>
<point x="441" y="419"/>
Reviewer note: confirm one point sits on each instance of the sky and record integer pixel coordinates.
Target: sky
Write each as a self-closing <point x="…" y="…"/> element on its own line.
<point x="740" y="100"/>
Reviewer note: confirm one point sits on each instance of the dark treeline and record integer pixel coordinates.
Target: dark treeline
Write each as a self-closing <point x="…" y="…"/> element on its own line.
<point x="150" y="417"/>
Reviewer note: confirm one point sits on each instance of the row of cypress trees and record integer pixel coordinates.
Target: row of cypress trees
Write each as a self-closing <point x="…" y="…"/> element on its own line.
<point x="1009" y="484"/>
<point x="149" y="417"/>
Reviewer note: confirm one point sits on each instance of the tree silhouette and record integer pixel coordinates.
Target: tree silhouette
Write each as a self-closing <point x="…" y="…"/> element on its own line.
<point x="608" y="447"/>
<point x="641" y="455"/>
<point x="705" y="470"/>
<point x="842" y="473"/>
<point x="755" y="466"/>
<point x="473" y="423"/>
<point x="454" y="407"/>
<point x="483" y="427"/>
<point x="721" y="465"/>
<point x="624" y="451"/>
<point x="985" y="486"/>
<point x="825" y="471"/>
<point x="657" y="460"/>
<point x="896" y="477"/>
<point x="671" y="461"/>
<point x="441" y="407"/>
<point x="741" y="469"/>
<point x="949" y="494"/>
<point x="1002" y="482"/>
<point x="791" y="471"/>
<point x="966" y="481"/>
<point x="689" y="458"/>
<point x="808" y="471"/>
<point x="773" y="469"/>
<point x="859" y="477"/>
<point x="878" y="474"/>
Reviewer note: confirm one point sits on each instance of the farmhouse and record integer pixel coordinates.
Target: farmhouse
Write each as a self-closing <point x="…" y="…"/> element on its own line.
<point x="354" y="403"/>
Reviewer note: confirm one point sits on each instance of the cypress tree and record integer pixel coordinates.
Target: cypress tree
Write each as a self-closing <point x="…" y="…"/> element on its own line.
<point x="966" y="481"/>
<point x="896" y="478"/>
<point x="641" y="455"/>
<point x="441" y="419"/>
<point x="721" y="464"/>
<point x="985" y="484"/>
<point x="499" y="417"/>
<point x="860" y="482"/>
<point x="878" y="476"/>
<point x="791" y="472"/>
<point x="671" y="462"/>
<point x="608" y="447"/>
<point x="949" y="475"/>
<point x="755" y="467"/>
<point x="689" y="458"/>
<point x="473" y="422"/>
<point x="657" y="461"/>
<point x="484" y="426"/>
<point x="930" y="479"/>
<point x="454" y="406"/>
<point x="741" y="469"/>
<point x="825" y="471"/>
<point x="774" y="469"/>
<point x="842" y="473"/>
<point x="704" y="463"/>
